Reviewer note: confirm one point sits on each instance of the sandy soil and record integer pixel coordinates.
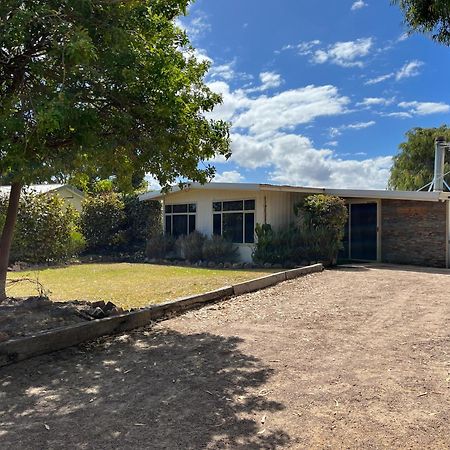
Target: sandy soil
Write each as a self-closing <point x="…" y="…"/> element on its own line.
<point x="351" y="358"/>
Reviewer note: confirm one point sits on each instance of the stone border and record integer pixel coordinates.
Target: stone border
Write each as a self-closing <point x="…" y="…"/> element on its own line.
<point x="18" y="349"/>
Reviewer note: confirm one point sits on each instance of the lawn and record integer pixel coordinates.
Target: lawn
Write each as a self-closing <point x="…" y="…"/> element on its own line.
<point x="126" y="285"/>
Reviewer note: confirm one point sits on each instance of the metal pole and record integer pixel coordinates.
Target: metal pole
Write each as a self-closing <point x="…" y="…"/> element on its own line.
<point x="439" y="161"/>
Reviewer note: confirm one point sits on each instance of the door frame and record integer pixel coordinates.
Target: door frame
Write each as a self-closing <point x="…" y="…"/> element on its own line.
<point x="350" y="202"/>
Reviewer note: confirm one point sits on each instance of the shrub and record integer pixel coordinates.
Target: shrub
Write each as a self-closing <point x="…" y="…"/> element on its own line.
<point x="44" y="230"/>
<point x="321" y="221"/>
<point x="191" y="246"/>
<point x="276" y="247"/>
<point x="159" y="245"/>
<point x="102" y="220"/>
<point x="218" y="249"/>
<point x="142" y="221"/>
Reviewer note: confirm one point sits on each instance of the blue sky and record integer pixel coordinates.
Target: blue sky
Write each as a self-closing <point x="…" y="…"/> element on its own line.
<point x="319" y="93"/>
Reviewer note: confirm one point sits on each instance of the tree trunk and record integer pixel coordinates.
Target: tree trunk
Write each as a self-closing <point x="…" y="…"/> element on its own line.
<point x="7" y="235"/>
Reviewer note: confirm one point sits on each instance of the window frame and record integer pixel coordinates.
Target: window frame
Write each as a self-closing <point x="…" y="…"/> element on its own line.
<point x="171" y="214"/>
<point x="242" y="211"/>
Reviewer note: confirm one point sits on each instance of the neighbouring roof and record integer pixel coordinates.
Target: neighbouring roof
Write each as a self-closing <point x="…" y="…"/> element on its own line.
<point x="346" y="193"/>
<point x="42" y="189"/>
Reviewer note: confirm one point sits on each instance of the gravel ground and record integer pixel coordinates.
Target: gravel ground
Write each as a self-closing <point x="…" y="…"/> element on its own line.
<point x="350" y="358"/>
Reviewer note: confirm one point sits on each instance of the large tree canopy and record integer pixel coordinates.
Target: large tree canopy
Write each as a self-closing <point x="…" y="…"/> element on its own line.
<point x="413" y="167"/>
<point x="428" y="16"/>
<point x="101" y="86"/>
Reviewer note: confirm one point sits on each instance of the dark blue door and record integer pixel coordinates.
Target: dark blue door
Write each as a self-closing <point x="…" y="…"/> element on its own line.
<point x="363" y="231"/>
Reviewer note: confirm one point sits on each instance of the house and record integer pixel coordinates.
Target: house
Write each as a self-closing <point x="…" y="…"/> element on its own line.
<point x="385" y="226"/>
<point x="71" y="195"/>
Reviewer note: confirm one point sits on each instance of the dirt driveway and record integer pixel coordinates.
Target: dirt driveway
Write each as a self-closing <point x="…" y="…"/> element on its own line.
<point x="349" y="358"/>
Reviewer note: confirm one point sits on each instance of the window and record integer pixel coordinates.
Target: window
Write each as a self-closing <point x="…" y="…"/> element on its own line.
<point x="235" y="220"/>
<point x="180" y="219"/>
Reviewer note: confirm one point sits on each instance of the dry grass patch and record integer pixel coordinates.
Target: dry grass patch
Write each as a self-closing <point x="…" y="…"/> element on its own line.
<point x="127" y="285"/>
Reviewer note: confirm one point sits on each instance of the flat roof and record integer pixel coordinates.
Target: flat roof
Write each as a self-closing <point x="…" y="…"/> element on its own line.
<point x="345" y="193"/>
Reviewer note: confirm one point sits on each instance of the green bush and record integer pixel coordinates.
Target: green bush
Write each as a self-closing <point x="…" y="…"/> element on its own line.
<point x="321" y="221"/>
<point x="102" y="220"/>
<point x="45" y="231"/>
<point x="191" y="246"/>
<point x="142" y="221"/>
<point x="218" y="249"/>
<point x="276" y="247"/>
<point x="114" y="223"/>
<point x="159" y="245"/>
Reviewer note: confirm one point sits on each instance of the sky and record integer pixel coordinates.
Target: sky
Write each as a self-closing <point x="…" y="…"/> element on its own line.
<point x="319" y="93"/>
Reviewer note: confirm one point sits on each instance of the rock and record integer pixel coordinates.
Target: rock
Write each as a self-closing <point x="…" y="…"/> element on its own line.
<point x="99" y="304"/>
<point x="211" y="264"/>
<point x="220" y="266"/>
<point x="4" y="336"/>
<point x="115" y="311"/>
<point x="237" y="266"/>
<point x="109" y="307"/>
<point x="248" y="265"/>
<point x="97" y="313"/>
<point x="37" y="302"/>
<point x="267" y="265"/>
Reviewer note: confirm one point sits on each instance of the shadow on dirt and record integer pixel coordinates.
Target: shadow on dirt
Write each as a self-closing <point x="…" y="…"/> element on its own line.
<point x="147" y="389"/>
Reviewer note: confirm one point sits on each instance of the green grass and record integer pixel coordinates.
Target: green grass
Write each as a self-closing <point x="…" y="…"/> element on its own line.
<point x="126" y="285"/>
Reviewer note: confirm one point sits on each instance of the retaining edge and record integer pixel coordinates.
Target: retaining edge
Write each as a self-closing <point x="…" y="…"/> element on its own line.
<point x="18" y="349"/>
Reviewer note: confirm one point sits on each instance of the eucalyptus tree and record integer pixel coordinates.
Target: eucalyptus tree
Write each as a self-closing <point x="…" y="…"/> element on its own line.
<point x="110" y="86"/>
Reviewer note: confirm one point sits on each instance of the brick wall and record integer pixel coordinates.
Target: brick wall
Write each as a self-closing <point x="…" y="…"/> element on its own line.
<point x="413" y="232"/>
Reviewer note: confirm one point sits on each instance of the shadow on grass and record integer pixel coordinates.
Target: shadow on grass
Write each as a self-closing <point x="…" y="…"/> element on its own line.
<point x="147" y="389"/>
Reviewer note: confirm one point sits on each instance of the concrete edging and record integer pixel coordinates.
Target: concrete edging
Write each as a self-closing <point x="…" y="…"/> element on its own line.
<point x="18" y="349"/>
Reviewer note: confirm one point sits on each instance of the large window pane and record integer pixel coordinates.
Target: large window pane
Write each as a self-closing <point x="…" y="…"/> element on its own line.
<point x="191" y="223"/>
<point x="180" y="208"/>
<point x="250" y="228"/>
<point x="180" y="225"/>
<point x="217" y="224"/>
<point x="233" y="227"/>
<point x="233" y="206"/>
<point x="168" y="224"/>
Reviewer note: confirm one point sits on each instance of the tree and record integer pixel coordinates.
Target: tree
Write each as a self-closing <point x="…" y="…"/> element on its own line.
<point x="428" y="16"/>
<point x="413" y="167"/>
<point x="100" y="86"/>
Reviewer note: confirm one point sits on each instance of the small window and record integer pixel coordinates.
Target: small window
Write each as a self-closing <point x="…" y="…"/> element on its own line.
<point x="233" y="206"/>
<point x="168" y="209"/>
<point x="180" y="209"/>
<point x="217" y="206"/>
<point x="249" y="205"/>
<point x="192" y="208"/>
<point x="250" y="228"/>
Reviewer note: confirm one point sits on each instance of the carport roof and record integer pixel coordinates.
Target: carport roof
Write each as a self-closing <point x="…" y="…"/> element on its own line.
<point x="345" y="193"/>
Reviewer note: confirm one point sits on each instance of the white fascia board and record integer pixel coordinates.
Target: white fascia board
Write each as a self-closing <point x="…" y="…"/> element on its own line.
<point x="159" y="195"/>
<point x="392" y="195"/>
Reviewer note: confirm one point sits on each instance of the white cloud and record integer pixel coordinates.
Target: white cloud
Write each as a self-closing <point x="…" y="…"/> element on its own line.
<point x="337" y="131"/>
<point x="223" y="71"/>
<point x="269" y="80"/>
<point x="380" y="79"/>
<point x="195" y="26"/>
<point x="232" y="176"/>
<point x="294" y="160"/>
<point x="152" y="183"/>
<point x="399" y="115"/>
<point x="345" y="54"/>
<point x="375" y="101"/>
<point x="290" y="108"/>
<point x="410" y="69"/>
<point x="358" y="5"/>
<point x="425" y="108"/>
